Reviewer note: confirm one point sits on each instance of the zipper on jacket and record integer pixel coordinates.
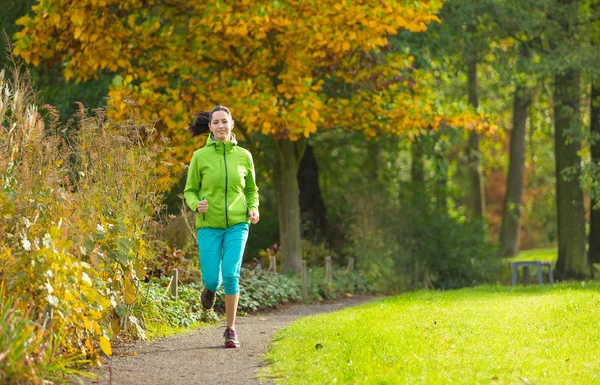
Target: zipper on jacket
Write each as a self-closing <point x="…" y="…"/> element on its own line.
<point x="226" y="178"/>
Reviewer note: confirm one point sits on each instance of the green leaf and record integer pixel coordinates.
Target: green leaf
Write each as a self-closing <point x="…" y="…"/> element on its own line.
<point x="117" y="81"/>
<point x="122" y="310"/>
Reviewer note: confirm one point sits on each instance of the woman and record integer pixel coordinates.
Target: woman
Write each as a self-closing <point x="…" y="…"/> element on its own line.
<point x="221" y="188"/>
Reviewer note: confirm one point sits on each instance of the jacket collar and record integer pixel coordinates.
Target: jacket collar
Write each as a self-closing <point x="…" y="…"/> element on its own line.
<point x="229" y="145"/>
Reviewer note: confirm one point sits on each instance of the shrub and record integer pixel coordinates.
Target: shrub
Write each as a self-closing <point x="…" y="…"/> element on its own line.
<point x="157" y="306"/>
<point x="30" y="351"/>
<point x="453" y="253"/>
<point x="314" y="253"/>
<point x="344" y="282"/>
<point x="75" y="207"/>
<point x="408" y="246"/>
<point x="261" y="289"/>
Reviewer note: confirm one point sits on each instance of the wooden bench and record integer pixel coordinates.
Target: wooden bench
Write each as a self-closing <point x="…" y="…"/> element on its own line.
<point x="525" y="267"/>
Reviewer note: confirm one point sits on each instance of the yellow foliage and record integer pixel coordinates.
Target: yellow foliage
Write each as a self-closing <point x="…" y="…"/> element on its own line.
<point x="280" y="49"/>
<point x="74" y="267"/>
<point x="105" y="345"/>
<point x="129" y="292"/>
<point x="268" y="61"/>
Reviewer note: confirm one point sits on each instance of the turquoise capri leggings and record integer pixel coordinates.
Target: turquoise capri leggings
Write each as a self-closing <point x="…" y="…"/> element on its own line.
<point x="222" y="249"/>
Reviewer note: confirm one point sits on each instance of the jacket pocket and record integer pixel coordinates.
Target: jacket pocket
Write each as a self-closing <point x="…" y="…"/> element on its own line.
<point x="238" y="210"/>
<point x="246" y="204"/>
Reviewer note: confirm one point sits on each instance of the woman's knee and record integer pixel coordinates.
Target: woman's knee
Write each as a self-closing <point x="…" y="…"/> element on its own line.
<point x="211" y="283"/>
<point x="231" y="285"/>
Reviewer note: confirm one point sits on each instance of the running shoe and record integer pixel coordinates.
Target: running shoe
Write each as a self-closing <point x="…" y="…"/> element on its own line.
<point x="231" y="338"/>
<point x="208" y="298"/>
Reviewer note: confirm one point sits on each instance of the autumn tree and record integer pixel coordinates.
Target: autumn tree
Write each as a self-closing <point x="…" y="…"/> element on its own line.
<point x="515" y="43"/>
<point x="285" y="68"/>
<point x="551" y="33"/>
<point x="463" y="30"/>
<point x="50" y="83"/>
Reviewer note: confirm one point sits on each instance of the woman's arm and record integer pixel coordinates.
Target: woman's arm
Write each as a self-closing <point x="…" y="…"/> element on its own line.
<point x="192" y="184"/>
<point x="251" y="191"/>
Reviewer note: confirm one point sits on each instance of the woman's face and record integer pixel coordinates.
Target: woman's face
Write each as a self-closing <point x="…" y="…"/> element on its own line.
<point x="221" y="125"/>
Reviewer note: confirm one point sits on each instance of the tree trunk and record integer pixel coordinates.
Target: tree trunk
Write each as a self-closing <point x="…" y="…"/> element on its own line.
<point x="594" y="237"/>
<point x="372" y="165"/>
<point x="312" y="207"/>
<point x="509" y="233"/>
<point x="477" y="197"/>
<point x="417" y="174"/>
<point x="572" y="261"/>
<point x="441" y="178"/>
<point x="286" y="185"/>
<point x="417" y="168"/>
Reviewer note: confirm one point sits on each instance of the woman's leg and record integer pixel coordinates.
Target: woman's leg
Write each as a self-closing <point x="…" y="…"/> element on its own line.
<point x="231" y="304"/>
<point x="210" y="247"/>
<point x="234" y="243"/>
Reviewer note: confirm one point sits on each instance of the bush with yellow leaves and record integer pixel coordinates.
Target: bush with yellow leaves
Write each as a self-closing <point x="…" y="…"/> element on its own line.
<point x="76" y="202"/>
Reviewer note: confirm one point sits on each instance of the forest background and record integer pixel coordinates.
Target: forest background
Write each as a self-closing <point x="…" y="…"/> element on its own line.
<point x="425" y="140"/>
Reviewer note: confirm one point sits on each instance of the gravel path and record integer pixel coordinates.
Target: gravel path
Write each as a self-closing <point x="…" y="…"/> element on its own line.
<point x="198" y="357"/>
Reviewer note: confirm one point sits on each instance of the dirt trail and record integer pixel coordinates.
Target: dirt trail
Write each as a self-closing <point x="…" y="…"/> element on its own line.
<point x="198" y="357"/>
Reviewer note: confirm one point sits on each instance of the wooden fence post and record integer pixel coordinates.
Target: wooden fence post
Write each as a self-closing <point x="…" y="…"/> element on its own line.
<point x="328" y="273"/>
<point x="174" y="283"/>
<point x="350" y="264"/>
<point x="304" y="281"/>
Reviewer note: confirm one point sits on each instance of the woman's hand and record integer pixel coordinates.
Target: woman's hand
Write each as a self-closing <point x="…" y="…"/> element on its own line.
<point x="202" y="206"/>
<point x="254" y="217"/>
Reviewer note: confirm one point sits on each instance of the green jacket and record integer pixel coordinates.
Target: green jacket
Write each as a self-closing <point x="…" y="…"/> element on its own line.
<point x="223" y="174"/>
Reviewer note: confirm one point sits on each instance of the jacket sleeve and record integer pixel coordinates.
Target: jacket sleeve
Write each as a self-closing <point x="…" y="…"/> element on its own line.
<point x="192" y="184"/>
<point x="251" y="190"/>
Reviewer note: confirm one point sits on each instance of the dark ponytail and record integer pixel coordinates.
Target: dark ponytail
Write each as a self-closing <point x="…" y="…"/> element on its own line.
<point x="199" y="125"/>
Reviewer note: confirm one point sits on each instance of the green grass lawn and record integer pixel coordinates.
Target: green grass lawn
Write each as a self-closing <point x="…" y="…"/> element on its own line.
<point x="550" y="254"/>
<point x="487" y="335"/>
<point x="547" y="254"/>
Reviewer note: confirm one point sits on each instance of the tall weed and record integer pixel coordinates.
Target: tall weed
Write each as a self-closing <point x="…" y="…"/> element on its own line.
<point x="76" y="205"/>
<point x="30" y="350"/>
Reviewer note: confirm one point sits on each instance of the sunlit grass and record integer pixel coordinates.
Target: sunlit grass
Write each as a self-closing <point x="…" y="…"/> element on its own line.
<point x="548" y="254"/>
<point x="488" y="335"/>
